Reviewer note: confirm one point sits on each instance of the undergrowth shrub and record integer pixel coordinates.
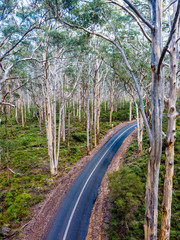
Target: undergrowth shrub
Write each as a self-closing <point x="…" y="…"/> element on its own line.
<point x="126" y="192"/>
<point x="18" y="208"/>
<point x="80" y="137"/>
<point x="128" y="219"/>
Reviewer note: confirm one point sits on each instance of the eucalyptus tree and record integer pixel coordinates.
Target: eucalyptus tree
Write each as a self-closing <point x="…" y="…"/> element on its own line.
<point x="170" y="138"/>
<point x="18" y="22"/>
<point x="157" y="95"/>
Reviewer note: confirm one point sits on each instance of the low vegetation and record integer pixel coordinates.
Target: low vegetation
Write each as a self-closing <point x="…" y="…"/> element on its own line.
<point x="127" y="191"/>
<point x="27" y="154"/>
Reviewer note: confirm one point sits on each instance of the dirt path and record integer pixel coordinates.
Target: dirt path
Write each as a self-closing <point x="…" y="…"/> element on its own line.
<point x="44" y="212"/>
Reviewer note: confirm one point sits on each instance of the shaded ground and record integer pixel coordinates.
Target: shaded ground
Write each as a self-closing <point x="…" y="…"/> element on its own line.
<point x="44" y="212"/>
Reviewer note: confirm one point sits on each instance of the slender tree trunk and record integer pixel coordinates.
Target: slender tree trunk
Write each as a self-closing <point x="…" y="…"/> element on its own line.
<point x="130" y="110"/>
<point x="138" y="125"/>
<point x="79" y="110"/>
<point x="170" y="138"/>
<point x="59" y="132"/>
<point x="16" y="114"/>
<point x="88" y="119"/>
<point x="140" y="133"/>
<point x="22" y="110"/>
<point x="151" y="199"/>
<point x="53" y="109"/>
<point x="28" y="104"/>
<point x="111" y="104"/>
<point x="40" y="119"/>
<point x="63" y="111"/>
<point x="146" y="105"/>
<point x="74" y="112"/>
<point x="95" y="112"/>
<point x="11" y="114"/>
<point x="98" y="108"/>
<point x="25" y="115"/>
<point x="48" y="118"/>
<point x="69" y="121"/>
<point x="91" y="123"/>
<point x="8" y="166"/>
<point x="6" y="122"/>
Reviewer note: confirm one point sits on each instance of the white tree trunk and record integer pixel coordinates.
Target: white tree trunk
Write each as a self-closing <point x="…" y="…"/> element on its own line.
<point x="88" y="120"/>
<point x="130" y="110"/>
<point x="170" y="137"/>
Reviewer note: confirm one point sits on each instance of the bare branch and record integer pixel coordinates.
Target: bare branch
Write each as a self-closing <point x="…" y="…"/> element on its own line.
<point x="169" y="5"/>
<point x="20" y="40"/>
<point x="170" y="37"/>
<point x="139" y="15"/>
<point x="135" y="18"/>
<point x="14" y="90"/>
<point x="5" y="39"/>
<point x="177" y="40"/>
<point x="8" y="104"/>
<point x="12" y="65"/>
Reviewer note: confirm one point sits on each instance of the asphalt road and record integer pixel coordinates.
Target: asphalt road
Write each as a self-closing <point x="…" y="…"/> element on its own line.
<point x="72" y="219"/>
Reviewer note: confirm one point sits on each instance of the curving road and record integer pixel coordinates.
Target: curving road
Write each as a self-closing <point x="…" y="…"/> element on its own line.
<point x="72" y="219"/>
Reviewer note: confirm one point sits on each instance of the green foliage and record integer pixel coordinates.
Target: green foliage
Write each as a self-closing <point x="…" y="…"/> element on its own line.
<point x="69" y="4"/>
<point x="18" y="208"/>
<point x="80" y="137"/>
<point x="85" y="13"/>
<point x="126" y="190"/>
<point x="123" y="115"/>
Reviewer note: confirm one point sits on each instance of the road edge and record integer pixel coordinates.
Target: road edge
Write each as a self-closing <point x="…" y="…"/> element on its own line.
<point x="101" y="211"/>
<point x="44" y="213"/>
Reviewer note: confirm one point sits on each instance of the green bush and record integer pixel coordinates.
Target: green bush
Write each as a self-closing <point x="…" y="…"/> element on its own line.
<point x="80" y="137"/>
<point x="122" y="115"/>
<point x="127" y="193"/>
<point x="18" y="208"/>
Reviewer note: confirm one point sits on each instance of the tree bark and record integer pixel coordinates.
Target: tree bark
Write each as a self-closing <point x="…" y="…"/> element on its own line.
<point x="11" y="114"/>
<point x="111" y="103"/>
<point x="16" y="114"/>
<point x="151" y="199"/>
<point x="95" y="111"/>
<point x="48" y="116"/>
<point x="88" y="119"/>
<point x="170" y="138"/>
<point x="130" y="110"/>
<point x="22" y="110"/>
<point x="63" y="111"/>
<point x="140" y="133"/>
<point x="69" y="115"/>
<point x="98" y="108"/>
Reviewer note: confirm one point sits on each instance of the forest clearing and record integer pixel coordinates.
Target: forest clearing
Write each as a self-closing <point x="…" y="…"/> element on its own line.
<point x="72" y="74"/>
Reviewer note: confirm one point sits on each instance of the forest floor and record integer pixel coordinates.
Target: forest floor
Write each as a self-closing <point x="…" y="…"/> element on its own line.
<point x="43" y="213"/>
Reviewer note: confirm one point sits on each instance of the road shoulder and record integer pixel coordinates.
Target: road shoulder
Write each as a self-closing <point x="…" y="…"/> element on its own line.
<point x="101" y="211"/>
<point x="43" y="213"/>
